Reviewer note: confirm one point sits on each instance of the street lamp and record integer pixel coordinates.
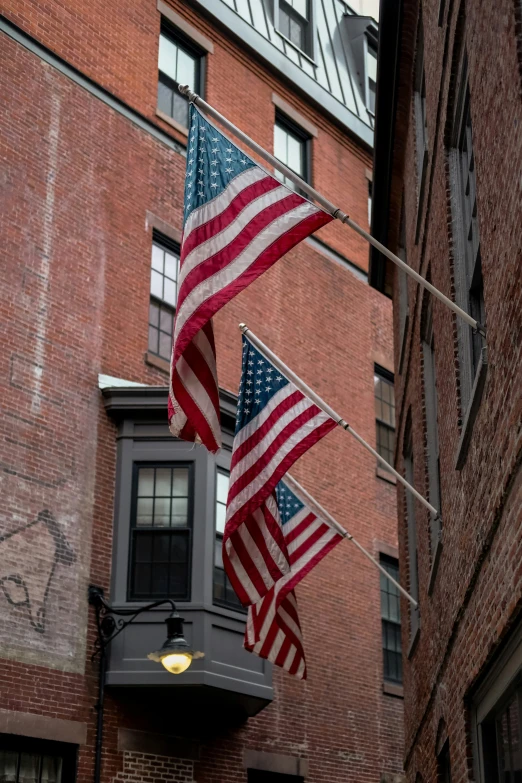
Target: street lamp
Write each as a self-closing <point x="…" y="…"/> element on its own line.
<point x="175" y="654"/>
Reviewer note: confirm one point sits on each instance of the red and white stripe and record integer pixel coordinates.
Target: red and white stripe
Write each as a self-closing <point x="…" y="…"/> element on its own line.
<point x="255" y="554"/>
<point x="273" y="630"/>
<point x="227" y="244"/>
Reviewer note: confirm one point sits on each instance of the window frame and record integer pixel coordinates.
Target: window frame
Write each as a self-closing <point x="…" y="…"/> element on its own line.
<point x="421" y="122"/>
<point x="388" y="377"/>
<point x="412" y="538"/>
<point x="503" y="680"/>
<point x="304" y="138"/>
<point x="66" y="751"/>
<point x="309" y="33"/>
<point x="188" y="529"/>
<point x="173" y="247"/>
<point x="472" y="362"/>
<point x="384" y="560"/>
<point x="182" y="41"/>
<point x="224" y="604"/>
<point x="432" y="444"/>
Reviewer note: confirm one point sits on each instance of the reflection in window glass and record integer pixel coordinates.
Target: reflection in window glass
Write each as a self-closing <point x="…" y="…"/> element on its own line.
<point x="224" y="593"/>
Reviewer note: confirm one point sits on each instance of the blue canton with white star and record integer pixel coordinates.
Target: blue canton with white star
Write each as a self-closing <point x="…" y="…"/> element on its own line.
<point x="260" y="380"/>
<point x="212" y="162"/>
<point x="289" y="504"/>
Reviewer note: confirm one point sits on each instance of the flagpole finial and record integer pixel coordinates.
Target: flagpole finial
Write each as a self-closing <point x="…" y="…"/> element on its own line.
<point x="243" y="328"/>
<point x="187" y="92"/>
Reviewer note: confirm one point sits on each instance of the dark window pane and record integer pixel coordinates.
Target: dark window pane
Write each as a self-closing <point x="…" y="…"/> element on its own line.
<point x="165" y="98"/>
<point x="154" y="314"/>
<point x="178" y="579"/>
<point x="161" y="549"/>
<point x="180" y="111"/>
<point x="160" y="579"/>
<point x="143" y="547"/>
<point x="165" y="346"/>
<point x="142" y="579"/>
<point x="165" y="321"/>
<point x="153" y="339"/>
<point x="284" y="22"/>
<point x="160" y="554"/>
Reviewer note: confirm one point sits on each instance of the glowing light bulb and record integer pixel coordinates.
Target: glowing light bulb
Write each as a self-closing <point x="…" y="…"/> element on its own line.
<point x="176" y="663"/>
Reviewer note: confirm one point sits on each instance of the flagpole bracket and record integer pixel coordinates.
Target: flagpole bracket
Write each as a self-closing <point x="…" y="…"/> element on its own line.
<point x="187" y="92"/>
<point x="479" y="329"/>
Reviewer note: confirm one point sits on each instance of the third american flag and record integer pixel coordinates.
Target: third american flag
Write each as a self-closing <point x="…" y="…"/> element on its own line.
<point x="238" y="221"/>
<point x="273" y="630"/>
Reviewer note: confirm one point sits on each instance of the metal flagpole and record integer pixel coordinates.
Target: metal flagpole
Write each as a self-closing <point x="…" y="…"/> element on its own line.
<point x="344" y="533"/>
<point x="328" y="206"/>
<point x="330" y="412"/>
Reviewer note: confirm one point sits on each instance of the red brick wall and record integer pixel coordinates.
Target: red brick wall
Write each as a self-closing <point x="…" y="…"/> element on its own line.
<point x="477" y="593"/>
<point x="80" y="181"/>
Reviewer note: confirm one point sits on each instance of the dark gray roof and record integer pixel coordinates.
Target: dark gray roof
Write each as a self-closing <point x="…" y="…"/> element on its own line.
<point x="332" y="76"/>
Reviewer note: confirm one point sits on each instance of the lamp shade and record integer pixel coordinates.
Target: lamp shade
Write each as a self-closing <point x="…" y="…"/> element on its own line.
<point x="175" y="654"/>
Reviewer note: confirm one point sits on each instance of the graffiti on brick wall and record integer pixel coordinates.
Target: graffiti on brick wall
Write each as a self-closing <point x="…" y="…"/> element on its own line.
<point x="29" y="556"/>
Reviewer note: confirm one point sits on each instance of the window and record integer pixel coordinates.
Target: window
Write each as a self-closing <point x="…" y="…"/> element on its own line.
<point x="294" y="23"/>
<point x="421" y="123"/>
<point x="371" y="59"/>
<point x="179" y="62"/>
<point x="384" y="414"/>
<point x="163" y="295"/>
<point x="369" y="202"/>
<point x="291" y="147"/>
<point x="24" y="760"/>
<point x="391" y="621"/>
<point x="224" y="594"/>
<point x="498" y="718"/>
<point x="404" y="306"/>
<point x="413" y="568"/>
<point x="469" y="285"/>
<point x="443" y="764"/>
<point x="160" y="532"/>
<point x="432" y="429"/>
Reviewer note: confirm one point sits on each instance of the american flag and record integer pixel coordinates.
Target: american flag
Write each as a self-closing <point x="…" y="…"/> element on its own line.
<point x="273" y="630"/>
<point x="238" y="221"/>
<point x="276" y="423"/>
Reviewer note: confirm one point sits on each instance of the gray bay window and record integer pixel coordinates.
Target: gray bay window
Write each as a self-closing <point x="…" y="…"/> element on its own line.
<point x="170" y="500"/>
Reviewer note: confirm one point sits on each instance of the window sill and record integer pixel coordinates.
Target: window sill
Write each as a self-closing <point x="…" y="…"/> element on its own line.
<point x="473" y="408"/>
<point x="297" y="49"/>
<point x="157" y="362"/>
<point x="393" y="689"/>
<point x="435" y="563"/>
<point x="173" y="124"/>
<point x="385" y="475"/>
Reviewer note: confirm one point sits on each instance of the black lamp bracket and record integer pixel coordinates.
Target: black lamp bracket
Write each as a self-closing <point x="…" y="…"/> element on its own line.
<point x="110" y="621"/>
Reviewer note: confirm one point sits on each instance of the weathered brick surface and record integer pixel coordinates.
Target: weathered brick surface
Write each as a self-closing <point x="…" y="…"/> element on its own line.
<point x="477" y="594"/>
<point x="79" y="180"/>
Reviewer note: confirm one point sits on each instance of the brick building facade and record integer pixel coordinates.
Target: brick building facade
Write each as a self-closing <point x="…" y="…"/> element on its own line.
<point x="93" y="170"/>
<point x="448" y="161"/>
